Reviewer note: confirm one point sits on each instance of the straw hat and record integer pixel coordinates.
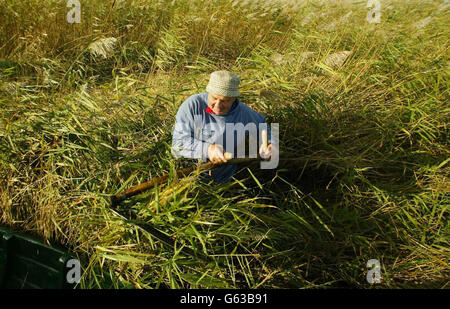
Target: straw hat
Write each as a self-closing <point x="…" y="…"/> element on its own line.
<point x="224" y="83"/>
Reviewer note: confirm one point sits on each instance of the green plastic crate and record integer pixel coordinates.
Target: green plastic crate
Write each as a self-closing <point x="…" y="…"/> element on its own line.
<point x="30" y="264"/>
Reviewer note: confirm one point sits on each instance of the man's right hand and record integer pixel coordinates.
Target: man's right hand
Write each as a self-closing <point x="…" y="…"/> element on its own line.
<point x="215" y="153"/>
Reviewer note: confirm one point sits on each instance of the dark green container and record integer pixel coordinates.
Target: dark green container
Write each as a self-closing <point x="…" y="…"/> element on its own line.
<point x="30" y="264"/>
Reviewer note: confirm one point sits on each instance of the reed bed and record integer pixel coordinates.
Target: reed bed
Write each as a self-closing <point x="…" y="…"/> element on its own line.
<point x="87" y="111"/>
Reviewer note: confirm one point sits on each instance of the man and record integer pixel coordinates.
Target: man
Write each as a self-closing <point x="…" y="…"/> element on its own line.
<point x="207" y="122"/>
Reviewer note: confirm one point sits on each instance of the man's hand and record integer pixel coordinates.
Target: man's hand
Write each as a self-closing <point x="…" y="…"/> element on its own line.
<point x="266" y="154"/>
<point x="215" y="153"/>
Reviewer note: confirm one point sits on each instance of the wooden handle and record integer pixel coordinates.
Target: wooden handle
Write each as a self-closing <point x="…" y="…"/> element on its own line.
<point x="264" y="140"/>
<point x="116" y="199"/>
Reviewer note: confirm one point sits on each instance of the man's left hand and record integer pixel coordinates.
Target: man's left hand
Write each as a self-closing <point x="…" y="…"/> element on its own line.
<point x="266" y="154"/>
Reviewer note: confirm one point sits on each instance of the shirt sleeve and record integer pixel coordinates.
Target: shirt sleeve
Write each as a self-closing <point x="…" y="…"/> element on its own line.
<point x="184" y="140"/>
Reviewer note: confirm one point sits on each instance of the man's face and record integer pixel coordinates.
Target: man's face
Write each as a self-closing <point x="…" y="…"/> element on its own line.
<point x="220" y="104"/>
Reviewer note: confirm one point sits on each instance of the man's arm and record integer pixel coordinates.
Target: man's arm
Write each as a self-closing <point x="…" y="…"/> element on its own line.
<point x="184" y="138"/>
